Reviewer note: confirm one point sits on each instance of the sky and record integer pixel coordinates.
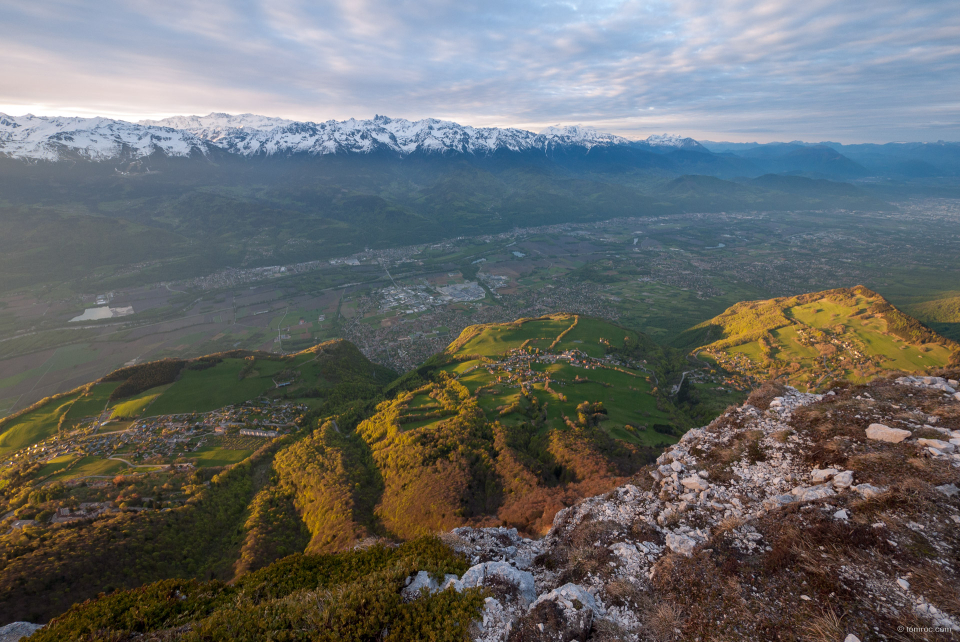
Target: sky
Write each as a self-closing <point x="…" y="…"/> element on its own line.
<point x="732" y="70"/>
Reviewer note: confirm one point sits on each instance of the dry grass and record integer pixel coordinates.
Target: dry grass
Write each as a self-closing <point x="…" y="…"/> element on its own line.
<point x="762" y="396"/>
<point x="935" y="584"/>
<point x="664" y="621"/>
<point x="825" y="627"/>
<point x="623" y="593"/>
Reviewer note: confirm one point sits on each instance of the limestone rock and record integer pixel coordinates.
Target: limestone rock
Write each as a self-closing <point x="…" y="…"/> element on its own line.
<point x="879" y="432"/>
<point x="948" y="489"/>
<point x="805" y="494"/>
<point x="680" y="543"/>
<point x="481" y="574"/>
<point x="843" y="480"/>
<point x="868" y="490"/>
<point x="17" y="631"/>
<point x="938" y="444"/>
<point x="821" y="475"/>
<point x="695" y="483"/>
<point x="422" y="580"/>
<point x="565" y="613"/>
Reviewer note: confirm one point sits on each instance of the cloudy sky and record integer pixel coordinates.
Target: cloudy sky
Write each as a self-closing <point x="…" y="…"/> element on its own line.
<point x="851" y="70"/>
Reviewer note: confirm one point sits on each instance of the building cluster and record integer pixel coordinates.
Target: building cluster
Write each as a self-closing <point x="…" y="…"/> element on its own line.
<point x="517" y="367"/>
<point x="161" y="438"/>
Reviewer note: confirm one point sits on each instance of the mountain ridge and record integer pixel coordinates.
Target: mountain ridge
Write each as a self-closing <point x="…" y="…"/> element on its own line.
<point x="101" y="139"/>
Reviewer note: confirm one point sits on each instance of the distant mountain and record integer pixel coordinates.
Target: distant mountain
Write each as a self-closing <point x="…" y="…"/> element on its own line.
<point x="897" y="160"/>
<point x="99" y="139"/>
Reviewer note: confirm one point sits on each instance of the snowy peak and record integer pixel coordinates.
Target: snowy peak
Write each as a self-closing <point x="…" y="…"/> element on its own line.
<point x="673" y="141"/>
<point x="579" y="135"/>
<point x="55" y="138"/>
<point x="218" y="121"/>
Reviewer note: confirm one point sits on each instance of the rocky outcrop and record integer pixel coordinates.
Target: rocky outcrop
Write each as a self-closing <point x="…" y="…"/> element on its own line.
<point x="763" y="522"/>
<point x="17" y="631"/>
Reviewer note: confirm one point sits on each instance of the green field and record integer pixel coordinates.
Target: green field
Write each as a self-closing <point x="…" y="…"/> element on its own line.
<point x="91" y="466"/>
<point x="219" y="386"/>
<point x="92" y="403"/>
<point x="35" y="426"/>
<point x="213" y="455"/>
<point x="627" y="398"/>
<point x="134" y="406"/>
<point x="498" y="339"/>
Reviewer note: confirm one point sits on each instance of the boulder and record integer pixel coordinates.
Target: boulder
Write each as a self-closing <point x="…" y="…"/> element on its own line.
<point x="680" y="543"/>
<point x="422" y="580"/>
<point x="565" y="613"/>
<point x="777" y="501"/>
<point x="868" y="490"/>
<point x="17" y="630"/>
<point x="695" y="483"/>
<point x="942" y="446"/>
<point x="821" y="475"/>
<point x="948" y="489"/>
<point x="805" y="494"/>
<point x="843" y="480"/>
<point x="879" y="432"/>
<point x="489" y="573"/>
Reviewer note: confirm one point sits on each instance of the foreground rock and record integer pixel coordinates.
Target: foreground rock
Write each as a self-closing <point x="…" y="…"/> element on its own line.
<point x="830" y="516"/>
<point x="17" y="631"/>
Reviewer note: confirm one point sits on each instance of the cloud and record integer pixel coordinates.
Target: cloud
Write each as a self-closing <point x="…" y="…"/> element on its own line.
<point x="851" y="71"/>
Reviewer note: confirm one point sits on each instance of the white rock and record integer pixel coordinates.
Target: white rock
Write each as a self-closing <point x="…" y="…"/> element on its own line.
<point x="821" y="475"/>
<point x="868" y="490"/>
<point x="477" y="576"/>
<point x="843" y="480"/>
<point x="17" y="630"/>
<point x="422" y="580"/>
<point x="956" y="396"/>
<point x="938" y="444"/>
<point x="676" y="466"/>
<point x="695" y="483"/>
<point x="679" y="543"/>
<point x="841" y="514"/>
<point x="805" y="494"/>
<point x="948" y="489"/>
<point x="778" y="500"/>
<point x="566" y="594"/>
<point x="879" y="432"/>
<point x="904" y="584"/>
<point x="851" y="638"/>
<point x="953" y="382"/>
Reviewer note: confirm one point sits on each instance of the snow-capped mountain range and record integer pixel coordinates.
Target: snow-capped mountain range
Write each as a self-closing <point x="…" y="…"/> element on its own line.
<point x="101" y="139"/>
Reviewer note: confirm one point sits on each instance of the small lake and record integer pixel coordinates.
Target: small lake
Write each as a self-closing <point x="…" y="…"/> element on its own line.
<point x="105" y="312"/>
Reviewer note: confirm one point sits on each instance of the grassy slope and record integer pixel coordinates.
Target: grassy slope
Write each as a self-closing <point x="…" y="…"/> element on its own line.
<point x="812" y="338"/>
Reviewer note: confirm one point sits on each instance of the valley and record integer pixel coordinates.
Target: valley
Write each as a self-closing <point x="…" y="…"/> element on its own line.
<point x="673" y="277"/>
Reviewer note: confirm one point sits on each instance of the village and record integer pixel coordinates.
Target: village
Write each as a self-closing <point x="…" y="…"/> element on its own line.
<point x="517" y="366"/>
<point x="166" y="440"/>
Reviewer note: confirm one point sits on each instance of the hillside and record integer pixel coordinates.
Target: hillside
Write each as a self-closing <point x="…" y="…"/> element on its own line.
<point x="941" y="314"/>
<point x="793" y="517"/>
<point x="510" y="424"/>
<point x="809" y="340"/>
<point x="219" y="465"/>
<point x="164" y="469"/>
